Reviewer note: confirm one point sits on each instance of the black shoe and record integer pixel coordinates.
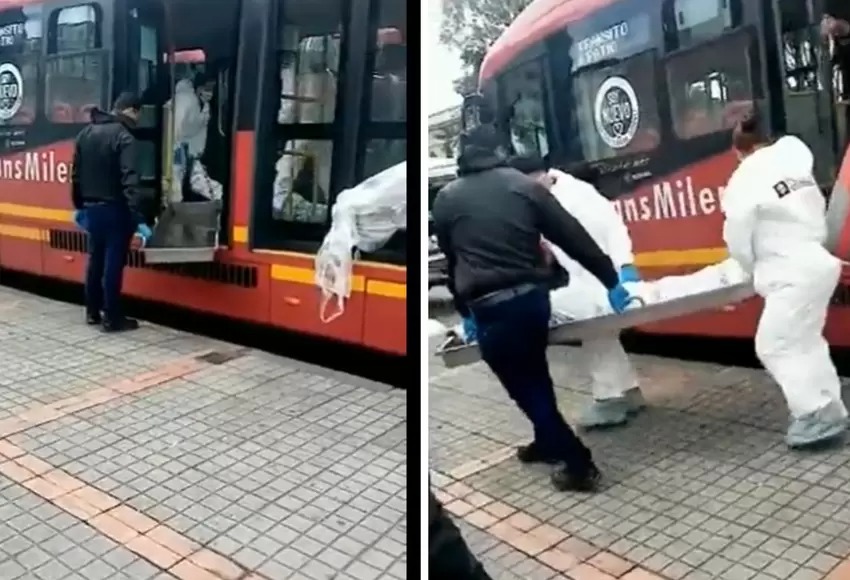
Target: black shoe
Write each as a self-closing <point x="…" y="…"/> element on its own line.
<point x="565" y="480"/>
<point x="532" y="453"/>
<point x="121" y="325"/>
<point x="93" y="319"/>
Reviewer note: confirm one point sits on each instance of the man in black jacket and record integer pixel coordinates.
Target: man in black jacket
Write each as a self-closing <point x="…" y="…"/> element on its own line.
<point x="105" y="193"/>
<point x="489" y="224"/>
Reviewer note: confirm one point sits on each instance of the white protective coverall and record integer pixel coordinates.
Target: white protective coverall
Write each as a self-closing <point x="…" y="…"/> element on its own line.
<point x="775" y="228"/>
<point x="585" y="296"/>
<point x="190" y="135"/>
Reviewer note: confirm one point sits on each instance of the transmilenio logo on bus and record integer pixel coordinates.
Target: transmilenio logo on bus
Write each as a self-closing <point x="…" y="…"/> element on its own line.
<point x="35" y="166"/>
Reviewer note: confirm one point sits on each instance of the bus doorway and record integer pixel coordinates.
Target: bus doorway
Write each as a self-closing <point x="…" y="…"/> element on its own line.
<point x="187" y="92"/>
<point x="807" y="92"/>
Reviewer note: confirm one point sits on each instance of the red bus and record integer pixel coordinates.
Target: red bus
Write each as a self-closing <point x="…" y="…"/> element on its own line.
<point x="647" y="92"/>
<point x="308" y="99"/>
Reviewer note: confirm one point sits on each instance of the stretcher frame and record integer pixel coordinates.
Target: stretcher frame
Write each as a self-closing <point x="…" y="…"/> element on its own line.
<point x="573" y="333"/>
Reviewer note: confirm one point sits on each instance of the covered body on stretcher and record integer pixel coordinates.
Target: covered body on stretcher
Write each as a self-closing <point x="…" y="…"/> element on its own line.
<point x="575" y="318"/>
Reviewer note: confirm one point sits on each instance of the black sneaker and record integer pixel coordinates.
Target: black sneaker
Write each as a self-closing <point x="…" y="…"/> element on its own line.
<point x="532" y="453"/>
<point x="93" y="319"/>
<point x="122" y="325"/>
<point x="565" y="480"/>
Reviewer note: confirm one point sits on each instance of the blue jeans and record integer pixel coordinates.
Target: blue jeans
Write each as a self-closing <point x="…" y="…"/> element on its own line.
<point x="110" y="232"/>
<point x="513" y="336"/>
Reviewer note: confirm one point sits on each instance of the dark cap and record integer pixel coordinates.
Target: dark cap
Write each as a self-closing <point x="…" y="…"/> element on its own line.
<point x="127" y="100"/>
<point x="528" y="164"/>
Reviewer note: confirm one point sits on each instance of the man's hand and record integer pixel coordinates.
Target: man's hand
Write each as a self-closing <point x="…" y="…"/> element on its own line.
<point x="144" y="232"/>
<point x="619" y="298"/>
<point x="81" y="219"/>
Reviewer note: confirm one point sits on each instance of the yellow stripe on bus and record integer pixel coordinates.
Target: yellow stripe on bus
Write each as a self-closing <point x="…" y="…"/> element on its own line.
<point x="657" y="259"/>
<point x="673" y="258"/>
<point x="358" y="282"/>
<point x="240" y="235"/>
<point x="308" y="276"/>
<point x="35" y="212"/>
<point x="23" y="233"/>
<point x="386" y="289"/>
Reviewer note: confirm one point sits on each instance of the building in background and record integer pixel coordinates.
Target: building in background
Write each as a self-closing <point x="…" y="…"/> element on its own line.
<point x="443" y="132"/>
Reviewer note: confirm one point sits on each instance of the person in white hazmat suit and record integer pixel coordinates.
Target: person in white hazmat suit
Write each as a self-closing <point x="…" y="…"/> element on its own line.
<point x="191" y="119"/>
<point x="775" y="228"/>
<point x="616" y="394"/>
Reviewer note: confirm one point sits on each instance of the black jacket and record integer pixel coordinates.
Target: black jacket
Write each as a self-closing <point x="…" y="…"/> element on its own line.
<point x="104" y="167"/>
<point x="489" y="222"/>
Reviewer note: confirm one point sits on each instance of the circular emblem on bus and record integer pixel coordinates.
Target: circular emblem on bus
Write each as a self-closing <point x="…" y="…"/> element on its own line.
<point x="616" y="112"/>
<point x="11" y="90"/>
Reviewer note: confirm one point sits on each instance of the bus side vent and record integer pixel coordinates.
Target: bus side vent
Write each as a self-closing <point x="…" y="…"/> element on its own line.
<point x="71" y="241"/>
<point x="220" y="273"/>
<point x="230" y="274"/>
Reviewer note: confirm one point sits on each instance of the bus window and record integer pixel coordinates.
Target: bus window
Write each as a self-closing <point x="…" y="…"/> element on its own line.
<point x="308" y="60"/>
<point x="710" y="87"/>
<point x="389" y="63"/>
<point x="382" y="154"/>
<point x="385" y="132"/>
<point x="524" y="97"/>
<point x="20" y="51"/>
<point x="695" y="21"/>
<point x="616" y="109"/>
<point x="76" y="68"/>
<point x="148" y="71"/>
<point x="302" y="182"/>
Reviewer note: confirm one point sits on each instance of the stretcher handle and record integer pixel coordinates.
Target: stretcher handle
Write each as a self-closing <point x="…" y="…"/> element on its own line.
<point x="635" y="299"/>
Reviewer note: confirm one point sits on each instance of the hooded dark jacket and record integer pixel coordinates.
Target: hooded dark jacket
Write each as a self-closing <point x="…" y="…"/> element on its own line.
<point x="489" y="222"/>
<point x="104" y="168"/>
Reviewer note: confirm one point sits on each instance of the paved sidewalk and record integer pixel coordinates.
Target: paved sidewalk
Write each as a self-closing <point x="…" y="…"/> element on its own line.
<point x="159" y="454"/>
<point x="700" y="486"/>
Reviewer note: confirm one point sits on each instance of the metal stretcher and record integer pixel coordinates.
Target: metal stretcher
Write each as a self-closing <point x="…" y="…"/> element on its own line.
<point x="574" y="332"/>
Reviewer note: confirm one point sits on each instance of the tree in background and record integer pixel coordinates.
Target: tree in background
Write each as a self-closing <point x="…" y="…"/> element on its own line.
<point x="470" y="27"/>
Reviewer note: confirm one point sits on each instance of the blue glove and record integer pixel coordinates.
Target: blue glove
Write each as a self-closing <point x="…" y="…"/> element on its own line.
<point x="144" y="232"/>
<point x="81" y="219"/>
<point x="619" y="298"/>
<point x="628" y="273"/>
<point x="470" y="330"/>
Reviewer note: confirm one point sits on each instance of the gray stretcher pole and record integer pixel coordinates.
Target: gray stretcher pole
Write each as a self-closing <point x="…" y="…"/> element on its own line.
<point x="611" y="324"/>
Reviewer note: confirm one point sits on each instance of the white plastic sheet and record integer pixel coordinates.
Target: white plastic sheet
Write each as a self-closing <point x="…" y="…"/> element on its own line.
<point x="363" y="218"/>
<point x="191" y="118"/>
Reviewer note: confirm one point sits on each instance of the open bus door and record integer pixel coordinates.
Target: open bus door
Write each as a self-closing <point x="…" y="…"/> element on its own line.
<point x="809" y="97"/>
<point x="185" y="232"/>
